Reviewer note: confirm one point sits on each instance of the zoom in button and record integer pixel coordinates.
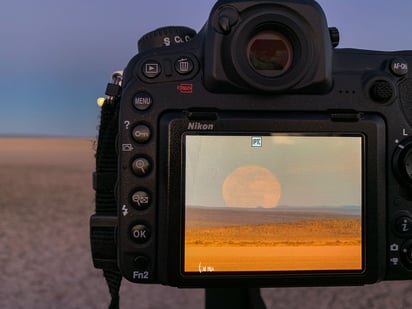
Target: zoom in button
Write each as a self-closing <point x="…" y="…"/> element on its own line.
<point x="141" y="167"/>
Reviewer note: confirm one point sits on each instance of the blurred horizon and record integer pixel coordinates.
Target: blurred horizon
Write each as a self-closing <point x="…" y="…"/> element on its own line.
<point x="57" y="57"/>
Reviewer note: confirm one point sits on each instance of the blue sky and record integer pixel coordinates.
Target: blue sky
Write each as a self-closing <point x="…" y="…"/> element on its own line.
<point x="57" y="56"/>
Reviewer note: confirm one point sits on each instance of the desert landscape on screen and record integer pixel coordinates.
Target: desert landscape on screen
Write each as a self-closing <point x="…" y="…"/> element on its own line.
<point x="280" y="239"/>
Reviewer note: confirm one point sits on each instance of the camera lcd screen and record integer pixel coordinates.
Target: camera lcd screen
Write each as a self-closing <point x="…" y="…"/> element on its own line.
<point x="273" y="203"/>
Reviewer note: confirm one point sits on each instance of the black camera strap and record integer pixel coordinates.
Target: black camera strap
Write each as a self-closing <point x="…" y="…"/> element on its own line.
<point x="103" y="223"/>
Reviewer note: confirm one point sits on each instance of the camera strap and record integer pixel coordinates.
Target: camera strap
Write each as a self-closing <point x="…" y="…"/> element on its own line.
<point x="103" y="223"/>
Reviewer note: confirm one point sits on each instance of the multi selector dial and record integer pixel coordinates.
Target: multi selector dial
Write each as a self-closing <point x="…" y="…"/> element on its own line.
<point x="402" y="162"/>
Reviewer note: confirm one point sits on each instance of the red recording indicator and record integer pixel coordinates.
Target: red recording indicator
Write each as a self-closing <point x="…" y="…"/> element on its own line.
<point x="185" y="88"/>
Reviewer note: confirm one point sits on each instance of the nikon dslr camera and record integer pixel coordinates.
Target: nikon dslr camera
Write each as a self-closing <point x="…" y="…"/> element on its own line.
<point x="256" y="153"/>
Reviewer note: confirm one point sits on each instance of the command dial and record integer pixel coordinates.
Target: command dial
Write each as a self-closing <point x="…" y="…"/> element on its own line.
<point x="166" y="36"/>
<point x="402" y="162"/>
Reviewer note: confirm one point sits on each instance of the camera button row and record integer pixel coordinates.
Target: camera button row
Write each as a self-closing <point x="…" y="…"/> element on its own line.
<point x="183" y="65"/>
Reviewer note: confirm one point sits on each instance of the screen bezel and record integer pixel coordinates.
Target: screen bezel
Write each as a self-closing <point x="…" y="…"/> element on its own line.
<point x="177" y="125"/>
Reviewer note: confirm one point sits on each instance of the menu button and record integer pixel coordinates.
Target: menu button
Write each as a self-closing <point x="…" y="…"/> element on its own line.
<point x="142" y="101"/>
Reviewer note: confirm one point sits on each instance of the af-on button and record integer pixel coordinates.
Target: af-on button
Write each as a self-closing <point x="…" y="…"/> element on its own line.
<point x="399" y="66"/>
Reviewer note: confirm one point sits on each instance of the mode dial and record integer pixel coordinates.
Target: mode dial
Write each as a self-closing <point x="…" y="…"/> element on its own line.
<point x="164" y="37"/>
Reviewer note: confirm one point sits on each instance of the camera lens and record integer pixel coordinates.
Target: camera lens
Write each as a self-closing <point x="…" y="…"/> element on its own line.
<point x="270" y="53"/>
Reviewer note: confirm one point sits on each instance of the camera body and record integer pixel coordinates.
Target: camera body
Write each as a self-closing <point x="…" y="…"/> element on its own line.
<point x="257" y="154"/>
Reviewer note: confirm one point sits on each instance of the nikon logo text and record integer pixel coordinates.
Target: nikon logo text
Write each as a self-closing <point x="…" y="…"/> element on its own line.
<point x="200" y="126"/>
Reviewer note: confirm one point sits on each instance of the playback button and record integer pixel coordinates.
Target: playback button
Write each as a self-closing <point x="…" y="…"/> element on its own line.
<point x="151" y="69"/>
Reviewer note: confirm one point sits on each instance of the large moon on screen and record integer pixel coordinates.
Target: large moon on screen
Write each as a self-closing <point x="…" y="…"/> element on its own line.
<point x="251" y="186"/>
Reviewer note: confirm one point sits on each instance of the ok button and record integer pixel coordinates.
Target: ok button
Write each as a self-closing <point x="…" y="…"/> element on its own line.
<point x="140" y="233"/>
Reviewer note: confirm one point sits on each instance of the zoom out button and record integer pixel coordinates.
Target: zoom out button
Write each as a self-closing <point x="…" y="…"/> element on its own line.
<point x="141" y="200"/>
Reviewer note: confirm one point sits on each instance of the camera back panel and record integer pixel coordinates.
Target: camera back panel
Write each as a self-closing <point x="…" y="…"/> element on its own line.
<point x="223" y="184"/>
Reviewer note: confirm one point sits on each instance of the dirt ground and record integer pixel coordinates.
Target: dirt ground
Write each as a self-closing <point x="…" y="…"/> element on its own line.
<point x="46" y="199"/>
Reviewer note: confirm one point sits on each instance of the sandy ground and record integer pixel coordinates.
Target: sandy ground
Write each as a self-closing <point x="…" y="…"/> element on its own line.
<point x="273" y="258"/>
<point x="46" y="199"/>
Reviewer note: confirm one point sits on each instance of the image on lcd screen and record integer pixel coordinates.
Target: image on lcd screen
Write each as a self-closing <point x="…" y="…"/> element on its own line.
<point x="272" y="203"/>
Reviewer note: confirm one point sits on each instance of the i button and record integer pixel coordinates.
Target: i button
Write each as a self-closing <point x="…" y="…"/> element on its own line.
<point x="403" y="226"/>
